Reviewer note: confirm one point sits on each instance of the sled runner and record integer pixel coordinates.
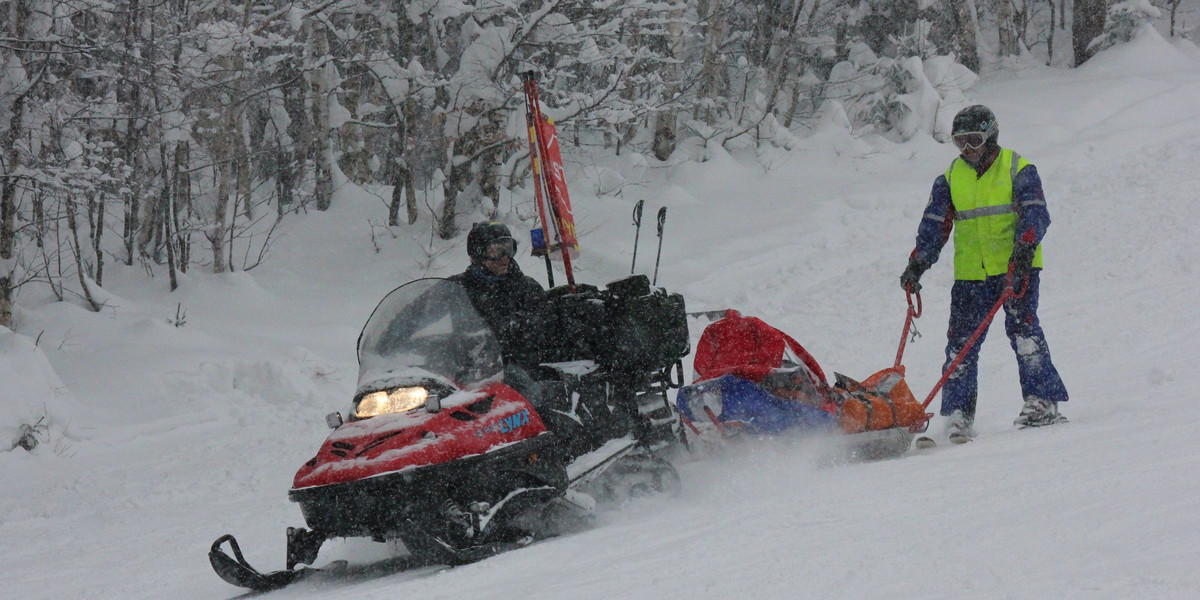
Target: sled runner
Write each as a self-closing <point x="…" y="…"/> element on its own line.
<point x="459" y="456"/>
<point x="752" y="377"/>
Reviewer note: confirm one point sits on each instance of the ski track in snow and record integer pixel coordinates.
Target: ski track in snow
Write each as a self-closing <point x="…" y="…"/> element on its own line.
<point x="181" y="434"/>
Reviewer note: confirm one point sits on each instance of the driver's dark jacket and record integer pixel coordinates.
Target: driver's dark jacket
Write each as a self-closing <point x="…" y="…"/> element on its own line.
<point x="514" y="306"/>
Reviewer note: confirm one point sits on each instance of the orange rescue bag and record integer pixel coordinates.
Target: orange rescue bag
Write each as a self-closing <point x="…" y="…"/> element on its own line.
<point x="881" y="401"/>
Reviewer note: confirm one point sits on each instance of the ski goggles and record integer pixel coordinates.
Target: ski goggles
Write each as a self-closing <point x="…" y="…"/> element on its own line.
<point x="500" y="250"/>
<point x="970" y="139"/>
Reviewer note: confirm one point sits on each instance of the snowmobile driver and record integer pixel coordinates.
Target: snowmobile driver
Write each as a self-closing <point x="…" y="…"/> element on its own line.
<point x="511" y="302"/>
<point x="992" y="199"/>
<point x="517" y="309"/>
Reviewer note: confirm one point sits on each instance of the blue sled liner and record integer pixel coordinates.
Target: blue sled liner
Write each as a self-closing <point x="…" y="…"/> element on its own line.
<point x="741" y="400"/>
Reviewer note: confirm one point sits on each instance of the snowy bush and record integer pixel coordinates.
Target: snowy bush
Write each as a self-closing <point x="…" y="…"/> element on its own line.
<point x="900" y="98"/>
<point x="904" y="94"/>
<point x="1125" y="19"/>
<point x="34" y="401"/>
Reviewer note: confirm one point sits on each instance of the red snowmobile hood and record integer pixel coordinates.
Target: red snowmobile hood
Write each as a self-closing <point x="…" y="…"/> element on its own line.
<point x="470" y="423"/>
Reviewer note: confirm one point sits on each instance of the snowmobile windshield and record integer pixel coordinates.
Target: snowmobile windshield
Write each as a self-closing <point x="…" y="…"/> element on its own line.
<point x="426" y="329"/>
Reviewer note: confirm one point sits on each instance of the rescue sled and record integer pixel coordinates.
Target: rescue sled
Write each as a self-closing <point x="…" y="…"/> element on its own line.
<point x="752" y="378"/>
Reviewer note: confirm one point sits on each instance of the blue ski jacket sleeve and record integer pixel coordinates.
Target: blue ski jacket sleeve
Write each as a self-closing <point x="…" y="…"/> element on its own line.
<point x="938" y="220"/>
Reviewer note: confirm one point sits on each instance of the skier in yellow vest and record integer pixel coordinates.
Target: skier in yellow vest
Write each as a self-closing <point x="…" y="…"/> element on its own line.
<point x="992" y="200"/>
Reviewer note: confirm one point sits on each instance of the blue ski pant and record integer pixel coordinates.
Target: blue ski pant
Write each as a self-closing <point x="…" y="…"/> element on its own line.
<point x="970" y="302"/>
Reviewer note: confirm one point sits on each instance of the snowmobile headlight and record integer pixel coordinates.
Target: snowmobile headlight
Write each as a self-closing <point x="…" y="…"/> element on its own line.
<point x="394" y="401"/>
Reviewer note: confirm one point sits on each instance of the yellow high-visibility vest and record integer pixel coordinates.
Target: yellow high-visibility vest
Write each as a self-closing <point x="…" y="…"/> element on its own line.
<point x="985" y="216"/>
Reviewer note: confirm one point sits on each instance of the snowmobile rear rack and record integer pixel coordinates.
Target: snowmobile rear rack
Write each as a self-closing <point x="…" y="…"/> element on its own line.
<point x="236" y="571"/>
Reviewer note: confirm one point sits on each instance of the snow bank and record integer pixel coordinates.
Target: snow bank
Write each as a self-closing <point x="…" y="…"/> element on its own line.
<point x="36" y="404"/>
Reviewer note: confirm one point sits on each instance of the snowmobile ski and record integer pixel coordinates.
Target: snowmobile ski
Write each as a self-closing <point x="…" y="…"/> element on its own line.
<point x="236" y="571"/>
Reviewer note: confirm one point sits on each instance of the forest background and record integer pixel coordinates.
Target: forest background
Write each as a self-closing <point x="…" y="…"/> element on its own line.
<point x="178" y="134"/>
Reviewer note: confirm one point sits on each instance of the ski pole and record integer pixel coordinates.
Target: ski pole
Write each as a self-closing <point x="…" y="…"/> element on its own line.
<point x="536" y="169"/>
<point x="637" y="231"/>
<point x="662" y="218"/>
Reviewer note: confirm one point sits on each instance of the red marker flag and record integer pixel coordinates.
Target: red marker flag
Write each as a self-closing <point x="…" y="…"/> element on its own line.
<point x="556" y="185"/>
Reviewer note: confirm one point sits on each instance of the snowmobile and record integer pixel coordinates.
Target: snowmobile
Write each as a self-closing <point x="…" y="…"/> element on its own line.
<point x="458" y="456"/>
<point x="752" y="378"/>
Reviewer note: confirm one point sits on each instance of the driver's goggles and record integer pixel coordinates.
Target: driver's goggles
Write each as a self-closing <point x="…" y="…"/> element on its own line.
<point x="969" y="139"/>
<point x="500" y="250"/>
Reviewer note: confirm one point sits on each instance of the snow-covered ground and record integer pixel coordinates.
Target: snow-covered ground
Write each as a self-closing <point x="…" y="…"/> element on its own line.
<point x="161" y="438"/>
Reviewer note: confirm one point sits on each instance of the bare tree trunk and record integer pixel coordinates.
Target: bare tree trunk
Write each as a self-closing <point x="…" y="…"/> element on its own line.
<point x="447" y="228"/>
<point x="794" y="106"/>
<point x="406" y="120"/>
<point x="712" y="73"/>
<point x="322" y="154"/>
<point x="283" y="180"/>
<point x="456" y="178"/>
<point x="78" y="251"/>
<point x="1007" y="26"/>
<point x="1050" y="37"/>
<point x="781" y="65"/>
<point x="132" y="198"/>
<point x="162" y="222"/>
<point x="9" y="189"/>
<point x="1087" y="25"/>
<point x="489" y="167"/>
<point x="965" y="39"/>
<point x="666" y="121"/>
<point x="133" y="138"/>
<point x="181" y="198"/>
<point x="6" y="299"/>
<point x="6" y="251"/>
<point x="152" y="231"/>
<point x="97" y="249"/>
<point x="289" y="160"/>
<point x="402" y="174"/>
<point x="243" y="171"/>
<point x="399" y="175"/>
<point x="216" y="231"/>
<point x="410" y="183"/>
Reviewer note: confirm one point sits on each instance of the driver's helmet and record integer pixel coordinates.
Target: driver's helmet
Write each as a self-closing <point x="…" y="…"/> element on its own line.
<point x="484" y="236"/>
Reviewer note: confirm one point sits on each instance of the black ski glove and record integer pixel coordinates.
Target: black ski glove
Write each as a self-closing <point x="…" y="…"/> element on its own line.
<point x="910" y="279"/>
<point x="1022" y="263"/>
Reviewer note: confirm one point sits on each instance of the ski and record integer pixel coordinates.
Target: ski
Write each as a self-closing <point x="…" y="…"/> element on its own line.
<point x="1057" y="419"/>
<point x="925" y="442"/>
<point x="236" y="571"/>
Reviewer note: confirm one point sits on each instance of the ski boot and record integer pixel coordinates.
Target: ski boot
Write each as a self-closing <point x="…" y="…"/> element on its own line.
<point x="1038" y="413"/>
